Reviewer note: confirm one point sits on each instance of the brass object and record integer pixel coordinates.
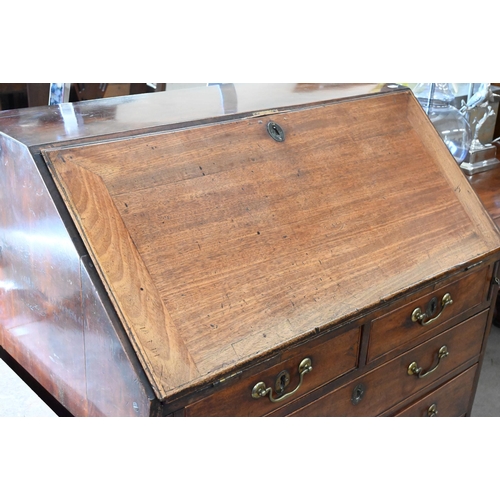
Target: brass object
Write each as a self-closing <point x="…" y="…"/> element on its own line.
<point x="266" y="112"/>
<point x="424" y="318"/>
<point x="225" y="379"/>
<point x="275" y="131"/>
<point x="358" y="393"/>
<point x="414" y="369"/>
<point x="432" y="410"/>
<point x="260" y="390"/>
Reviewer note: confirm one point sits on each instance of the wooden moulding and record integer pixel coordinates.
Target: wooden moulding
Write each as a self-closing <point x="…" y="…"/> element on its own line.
<point x="219" y="245"/>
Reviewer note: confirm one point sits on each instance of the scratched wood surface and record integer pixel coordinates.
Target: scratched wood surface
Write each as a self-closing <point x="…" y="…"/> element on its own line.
<point x="218" y="244"/>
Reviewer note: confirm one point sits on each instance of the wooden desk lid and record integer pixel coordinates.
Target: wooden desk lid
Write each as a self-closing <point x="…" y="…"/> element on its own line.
<point x="218" y="244"/>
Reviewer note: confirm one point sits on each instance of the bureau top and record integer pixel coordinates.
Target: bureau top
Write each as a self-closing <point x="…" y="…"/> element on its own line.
<point x="161" y="110"/>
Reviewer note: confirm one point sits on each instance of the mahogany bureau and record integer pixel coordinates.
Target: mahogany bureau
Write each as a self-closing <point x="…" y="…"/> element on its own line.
<point x="243" y="250"/>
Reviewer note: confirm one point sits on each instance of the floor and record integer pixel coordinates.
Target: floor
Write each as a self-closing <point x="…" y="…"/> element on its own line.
<point x="487" y="401"/>
<point x="18" y="400"/>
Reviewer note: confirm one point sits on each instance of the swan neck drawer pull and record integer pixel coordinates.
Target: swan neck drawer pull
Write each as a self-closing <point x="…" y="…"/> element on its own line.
<point x="424" y="317"/>
<point x="260" y="390"/>
<point x="414" y="369"/>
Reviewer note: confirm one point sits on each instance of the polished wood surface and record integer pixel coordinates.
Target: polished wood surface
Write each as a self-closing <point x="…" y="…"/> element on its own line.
<point x="41" y="325"/>
<point x="232" y="245"/>
<point x="450" y="400"/>
<point x="163" y="110"/>
<point x="53" y="321"/>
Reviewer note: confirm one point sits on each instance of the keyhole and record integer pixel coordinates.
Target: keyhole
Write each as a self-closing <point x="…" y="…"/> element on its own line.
<point x="282" y="380"/>
<point x="275" y="131"/>
<point x="432" y="307"/>
<point x="357" y="394"/>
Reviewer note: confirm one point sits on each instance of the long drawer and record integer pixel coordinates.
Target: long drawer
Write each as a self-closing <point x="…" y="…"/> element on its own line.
<point x="327" y="360"/>
<point x="384" y="387"/>
<point x="449" y="400"/>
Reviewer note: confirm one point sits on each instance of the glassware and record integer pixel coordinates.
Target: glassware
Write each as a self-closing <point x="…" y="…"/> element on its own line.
<point x="452" y="126"/>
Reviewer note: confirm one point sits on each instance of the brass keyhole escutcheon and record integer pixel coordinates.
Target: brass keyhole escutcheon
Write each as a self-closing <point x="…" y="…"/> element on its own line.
<point x="282" y="380"/>
<point x="428" y="317"/>
<point x="275" y="131"/>
<point x="432" y="306"/>
<point x="358" y="393"/>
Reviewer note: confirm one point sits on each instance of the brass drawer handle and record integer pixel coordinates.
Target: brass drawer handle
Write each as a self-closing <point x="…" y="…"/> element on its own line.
<point x="414" y="369"/>
<point x="432" y="411"/>
<point x="260" y="390"/>
<point x="424" y="317"/>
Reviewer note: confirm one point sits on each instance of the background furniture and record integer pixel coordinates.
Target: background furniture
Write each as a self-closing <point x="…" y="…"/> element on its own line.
<point x="23" y="95"/>
<point x="487" y="187"/>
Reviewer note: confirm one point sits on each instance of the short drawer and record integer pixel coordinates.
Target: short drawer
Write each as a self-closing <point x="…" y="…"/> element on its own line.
<point x="398" y="327"/>
<point x="391" y="383"/>
<point x="330" y="359"/>
<point x="450" y="400"/>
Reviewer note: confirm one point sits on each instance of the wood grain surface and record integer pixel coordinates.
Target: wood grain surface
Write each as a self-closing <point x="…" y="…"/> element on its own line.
<point x="218" y="244"/>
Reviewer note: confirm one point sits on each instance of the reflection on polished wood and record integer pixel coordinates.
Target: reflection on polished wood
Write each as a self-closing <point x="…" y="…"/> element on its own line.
<point x="122" y="115"/>
<point x="487" y="187"/>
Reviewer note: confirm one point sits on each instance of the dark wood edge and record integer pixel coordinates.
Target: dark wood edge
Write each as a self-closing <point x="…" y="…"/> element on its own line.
<point x="365" y="340"/>
<point x="58" y="201"/>
<point x="35" y="386"/>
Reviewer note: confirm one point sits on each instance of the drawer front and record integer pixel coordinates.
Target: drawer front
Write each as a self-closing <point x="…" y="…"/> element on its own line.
<point x="329" y="360"/>
<point x="450" y="400"/>
<point x="382" y="388"/>
<point x="397" y="327"/>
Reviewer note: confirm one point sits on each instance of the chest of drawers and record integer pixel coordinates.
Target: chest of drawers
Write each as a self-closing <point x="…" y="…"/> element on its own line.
<point x="281" y="256"/>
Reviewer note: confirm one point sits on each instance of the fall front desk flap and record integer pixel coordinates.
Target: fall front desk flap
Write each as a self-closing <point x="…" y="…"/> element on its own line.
<point x="220" y="243"/>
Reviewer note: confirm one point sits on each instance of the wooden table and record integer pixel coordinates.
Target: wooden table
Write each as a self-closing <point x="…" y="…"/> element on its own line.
<point x="487" y="187"/>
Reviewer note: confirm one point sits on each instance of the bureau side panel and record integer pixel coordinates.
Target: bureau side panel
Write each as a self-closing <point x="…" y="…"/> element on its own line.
<point x="53" y="320"/>
<point x="40" y="292"/>
<point x="116" y="384"/>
